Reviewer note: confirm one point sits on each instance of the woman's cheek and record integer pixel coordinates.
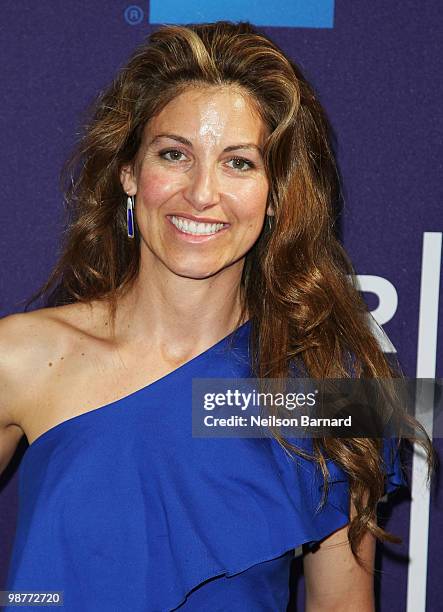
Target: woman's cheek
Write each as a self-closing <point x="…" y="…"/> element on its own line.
<point x="252" y="207"/>
<point x="157" y="189"/>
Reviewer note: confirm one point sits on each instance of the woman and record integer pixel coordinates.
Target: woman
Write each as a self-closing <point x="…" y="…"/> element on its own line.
<point x="201" y="216"/>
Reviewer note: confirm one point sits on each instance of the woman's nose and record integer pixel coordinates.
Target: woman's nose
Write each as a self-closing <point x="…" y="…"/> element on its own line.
<point x="202" y="189"/>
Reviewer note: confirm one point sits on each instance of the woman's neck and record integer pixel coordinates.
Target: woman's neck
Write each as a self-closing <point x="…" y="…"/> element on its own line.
<point x="179" y="311"/>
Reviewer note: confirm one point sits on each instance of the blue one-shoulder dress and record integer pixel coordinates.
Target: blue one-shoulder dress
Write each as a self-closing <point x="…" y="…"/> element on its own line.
<point x="122" y="509"/>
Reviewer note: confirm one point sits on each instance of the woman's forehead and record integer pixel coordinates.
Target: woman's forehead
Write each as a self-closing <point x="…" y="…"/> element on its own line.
<point x="212" y="112"/>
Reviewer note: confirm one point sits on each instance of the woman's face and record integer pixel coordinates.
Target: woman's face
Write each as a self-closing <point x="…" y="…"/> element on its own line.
<point x="200" y="183"/>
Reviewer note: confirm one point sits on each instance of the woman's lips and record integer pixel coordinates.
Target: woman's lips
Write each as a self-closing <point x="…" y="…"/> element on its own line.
<point x="194" y="237"/>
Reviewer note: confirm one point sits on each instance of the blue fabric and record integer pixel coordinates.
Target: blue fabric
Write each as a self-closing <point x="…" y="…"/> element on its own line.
<point x="122" y="509"/>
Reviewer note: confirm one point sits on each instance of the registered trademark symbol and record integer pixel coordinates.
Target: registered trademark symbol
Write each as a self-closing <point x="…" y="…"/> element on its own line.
<point x="133" y="14"/>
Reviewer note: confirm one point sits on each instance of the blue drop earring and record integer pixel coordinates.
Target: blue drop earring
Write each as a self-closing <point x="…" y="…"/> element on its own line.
<point x="130" y="205"/>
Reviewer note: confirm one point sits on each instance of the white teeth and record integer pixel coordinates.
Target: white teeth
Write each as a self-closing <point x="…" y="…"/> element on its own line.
<point x="198" y="229"/>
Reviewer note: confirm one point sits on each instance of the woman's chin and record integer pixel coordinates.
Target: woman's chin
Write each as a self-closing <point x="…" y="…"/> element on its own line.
<point x="195" y="272"/>
<point x="201" y="267"/>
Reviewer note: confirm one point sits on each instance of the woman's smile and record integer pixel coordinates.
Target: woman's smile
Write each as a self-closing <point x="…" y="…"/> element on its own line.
<point x="194" y="231"/>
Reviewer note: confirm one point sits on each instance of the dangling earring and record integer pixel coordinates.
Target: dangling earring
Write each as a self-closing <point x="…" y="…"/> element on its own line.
<point x="130" y="205"/>
<point x="269" y="222"/>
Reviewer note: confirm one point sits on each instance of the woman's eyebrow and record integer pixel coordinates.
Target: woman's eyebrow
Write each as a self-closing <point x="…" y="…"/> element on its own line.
<point x="185" y="141"/>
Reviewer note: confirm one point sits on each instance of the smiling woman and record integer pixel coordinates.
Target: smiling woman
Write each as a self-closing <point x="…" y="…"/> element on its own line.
<point x="199" y="243"/>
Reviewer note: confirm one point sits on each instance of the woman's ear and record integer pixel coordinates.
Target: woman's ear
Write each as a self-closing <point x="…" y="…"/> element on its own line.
<point x="128" y="180"/>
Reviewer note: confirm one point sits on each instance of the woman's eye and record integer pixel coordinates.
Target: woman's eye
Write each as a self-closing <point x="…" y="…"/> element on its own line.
<point x="239" y="164"/>
<point x="174" y="155"/>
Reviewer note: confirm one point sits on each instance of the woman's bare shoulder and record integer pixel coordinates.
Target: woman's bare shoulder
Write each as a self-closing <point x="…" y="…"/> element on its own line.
<point x="39" y="330"/>
<point x="28" y="343"/>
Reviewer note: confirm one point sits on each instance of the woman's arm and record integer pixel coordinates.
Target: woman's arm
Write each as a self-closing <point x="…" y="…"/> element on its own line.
<point x="11" y="383"/>
<point x="334" y="580"/>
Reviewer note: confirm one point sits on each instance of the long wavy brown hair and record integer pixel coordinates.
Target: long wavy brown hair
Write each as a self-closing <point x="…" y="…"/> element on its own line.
<point x="297" y="278"/>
